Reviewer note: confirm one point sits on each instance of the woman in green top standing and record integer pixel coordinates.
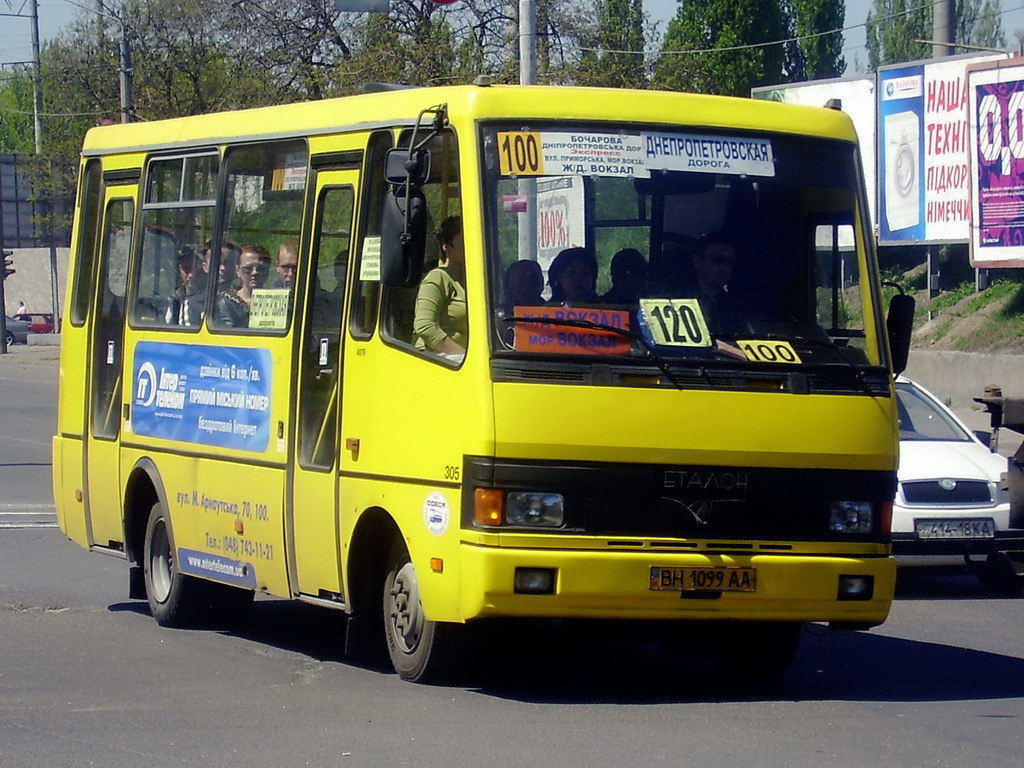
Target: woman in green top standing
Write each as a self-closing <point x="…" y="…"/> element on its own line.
<point x="441" y="324"/>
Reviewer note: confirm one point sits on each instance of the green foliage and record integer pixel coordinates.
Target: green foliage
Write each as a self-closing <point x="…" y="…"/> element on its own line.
<point x="949" y="298"/>
<point x="708" y="28"/>
<point x="723" y="24"/>
<point x="818" y="57"/>
<point x="16" y="132"/>
<point x="894" y="26"/>
<point x="620" y="27"/>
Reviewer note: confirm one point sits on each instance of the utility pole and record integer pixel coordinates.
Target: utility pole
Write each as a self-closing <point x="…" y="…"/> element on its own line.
<point x="37" y="92"/>
<point x="125" y="77"/>
<point x="943" y="28"/>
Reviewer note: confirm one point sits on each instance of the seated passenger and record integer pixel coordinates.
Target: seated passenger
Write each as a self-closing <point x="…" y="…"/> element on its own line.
<point x="188" y="302"/>
<point x="441" y="324"/>
<point x="713" y="263"/>
<point x="629" y="277"/>
<point x="288" y="263"/>
<point x="233" y="305"/>
<point x="524" y="282"/>
<point x="573" y="277"/>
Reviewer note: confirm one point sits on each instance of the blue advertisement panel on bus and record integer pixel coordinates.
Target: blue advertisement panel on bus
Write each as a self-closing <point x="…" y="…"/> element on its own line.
<point x="217" y="396"/>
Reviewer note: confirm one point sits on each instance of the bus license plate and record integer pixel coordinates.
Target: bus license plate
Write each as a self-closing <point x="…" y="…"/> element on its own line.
<point x="970" y="528"/>
<point x="704" y="579"/>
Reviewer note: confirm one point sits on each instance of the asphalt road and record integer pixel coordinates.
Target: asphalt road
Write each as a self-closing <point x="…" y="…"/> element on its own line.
<point x="87" y="678"/>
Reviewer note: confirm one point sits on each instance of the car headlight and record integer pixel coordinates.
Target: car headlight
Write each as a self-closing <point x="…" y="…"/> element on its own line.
<point x="851" y="516"/>
<point x="534" y="509"/>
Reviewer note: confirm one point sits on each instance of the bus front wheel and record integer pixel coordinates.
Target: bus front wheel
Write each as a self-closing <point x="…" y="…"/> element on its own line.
<point x="174" y="598"/>
<point x="421" y="650"/>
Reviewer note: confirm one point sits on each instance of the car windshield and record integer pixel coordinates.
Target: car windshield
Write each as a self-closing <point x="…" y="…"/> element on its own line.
<point x="921" y="418"/>
<point x="698" y="247"/>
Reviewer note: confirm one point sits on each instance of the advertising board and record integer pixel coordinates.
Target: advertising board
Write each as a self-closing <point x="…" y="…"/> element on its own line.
<point x="996" y="108"/>
<point x="923" y="151"/>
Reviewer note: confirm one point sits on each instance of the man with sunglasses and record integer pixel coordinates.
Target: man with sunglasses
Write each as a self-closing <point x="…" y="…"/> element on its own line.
<point x="713" y="262"/>
<point x="233" y="305"/>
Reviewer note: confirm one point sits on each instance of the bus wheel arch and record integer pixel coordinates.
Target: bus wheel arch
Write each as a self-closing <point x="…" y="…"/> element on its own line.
<point x="143" y="490"/>
<point x="368" y="549"/>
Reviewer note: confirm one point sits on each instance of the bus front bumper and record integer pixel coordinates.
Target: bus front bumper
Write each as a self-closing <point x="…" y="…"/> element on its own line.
<point x="617" y="585"/>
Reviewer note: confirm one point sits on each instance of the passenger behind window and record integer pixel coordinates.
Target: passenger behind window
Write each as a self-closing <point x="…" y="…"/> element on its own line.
<point x="629" y="277"/>
<point x="573" y="277"/>
<point x="227" y="267"/>
<point x="233" y="305"/>
<point x="188" y="302"/>
<point x="288" y="263"/>
<point x="524" y="283"/>
<point x="441" y="324"/>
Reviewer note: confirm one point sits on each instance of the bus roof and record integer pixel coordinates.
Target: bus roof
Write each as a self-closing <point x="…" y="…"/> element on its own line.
<point x="469" y="103"/>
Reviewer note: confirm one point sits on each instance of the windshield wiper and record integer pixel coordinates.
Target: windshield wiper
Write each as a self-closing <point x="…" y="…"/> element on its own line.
<point x="589" y="324"/>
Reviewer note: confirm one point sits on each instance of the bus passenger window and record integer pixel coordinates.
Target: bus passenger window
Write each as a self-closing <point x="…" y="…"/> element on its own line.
<point x="266" y="186"/>
<point x="177" y="224"/>
<point x="431" y="318"/>
<point x="366" y="293"/>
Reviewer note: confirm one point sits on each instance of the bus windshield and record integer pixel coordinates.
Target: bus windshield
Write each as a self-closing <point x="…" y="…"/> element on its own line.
<point x="688" y="245"/>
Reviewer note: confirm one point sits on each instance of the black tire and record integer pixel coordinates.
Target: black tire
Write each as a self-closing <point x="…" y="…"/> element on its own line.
<point x="421" y="650"/>
<point x="998" y="577"/>
<point x="756" y="653"/>
<point x="10" y="338"/>
<point x="175" y="600"/>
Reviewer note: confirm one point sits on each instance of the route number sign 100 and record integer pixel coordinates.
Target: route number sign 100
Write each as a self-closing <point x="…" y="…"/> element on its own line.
<point x="519" y="154"/>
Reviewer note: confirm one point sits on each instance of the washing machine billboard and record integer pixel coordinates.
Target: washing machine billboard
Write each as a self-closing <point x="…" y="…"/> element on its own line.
<point x="924" y="151"/>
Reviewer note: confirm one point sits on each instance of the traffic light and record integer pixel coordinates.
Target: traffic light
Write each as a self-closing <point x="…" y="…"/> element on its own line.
<point x="8" y="264"/>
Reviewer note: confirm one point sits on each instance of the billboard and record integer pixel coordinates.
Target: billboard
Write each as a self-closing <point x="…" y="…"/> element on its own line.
<point x="996" y="108"/>
<point x="857" y="95"/>
<point x="923" y="151"/>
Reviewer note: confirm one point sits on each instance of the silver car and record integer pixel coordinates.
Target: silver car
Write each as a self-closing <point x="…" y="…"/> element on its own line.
<point x="17" y="331"/>
<point x="952" y="505"/>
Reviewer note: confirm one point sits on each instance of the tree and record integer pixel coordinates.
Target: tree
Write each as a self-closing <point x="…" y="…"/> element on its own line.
<point x="620" y="27"/>
<point x="16" y="131"/>
<point x="817" y="56"/>
<point x="689" y="59"/>
<point x="895" y="26"/>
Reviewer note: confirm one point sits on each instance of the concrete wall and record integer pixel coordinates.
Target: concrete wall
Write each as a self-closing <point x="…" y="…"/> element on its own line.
<point x="31" y="279"/>
<point x="960" y="376"/>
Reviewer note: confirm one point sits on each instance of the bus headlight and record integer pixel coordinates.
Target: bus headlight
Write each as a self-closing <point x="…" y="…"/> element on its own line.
<point x="533" y="509"/>
<point x="850" y="516"/>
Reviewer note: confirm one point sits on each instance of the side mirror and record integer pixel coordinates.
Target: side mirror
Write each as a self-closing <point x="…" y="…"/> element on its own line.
<point x="401" y="249"/>
<point x="401" y="167"/>
<point x="900" y="323"/>
<point x="984" y="437"/>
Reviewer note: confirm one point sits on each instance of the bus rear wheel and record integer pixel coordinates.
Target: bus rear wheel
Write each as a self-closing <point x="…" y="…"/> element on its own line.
<point x="175" y="599"/>
<point x="421" y="650"/>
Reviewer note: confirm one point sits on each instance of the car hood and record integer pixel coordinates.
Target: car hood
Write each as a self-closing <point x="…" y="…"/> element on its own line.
<point x="932" y="459"/>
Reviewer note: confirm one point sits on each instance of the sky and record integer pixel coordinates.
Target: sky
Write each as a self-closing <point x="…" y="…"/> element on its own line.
<point x="16" y="33"/>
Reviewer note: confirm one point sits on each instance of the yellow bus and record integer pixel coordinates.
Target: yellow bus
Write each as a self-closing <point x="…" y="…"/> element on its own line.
<point x="440" y="358"/>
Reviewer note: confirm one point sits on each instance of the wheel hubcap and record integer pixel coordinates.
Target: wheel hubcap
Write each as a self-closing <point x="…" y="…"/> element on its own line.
<point x="161" y="563"/>
<point x="404" y="609"/>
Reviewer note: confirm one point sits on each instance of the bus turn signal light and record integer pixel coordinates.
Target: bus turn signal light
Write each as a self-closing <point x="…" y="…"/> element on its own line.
<point x="487" y="504"/>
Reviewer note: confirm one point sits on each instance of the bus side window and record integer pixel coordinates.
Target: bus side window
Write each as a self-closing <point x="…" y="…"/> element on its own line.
<point x="88" y="225"/>
<point x="366" y="296"/>
<point x="446" y="282"/>
<point x="177" y="224"/>
<point x="266" y="187"/>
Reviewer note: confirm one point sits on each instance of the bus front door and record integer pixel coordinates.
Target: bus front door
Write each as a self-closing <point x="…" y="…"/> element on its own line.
<point x="106" y="381"/>
<point x="313" y="511"/>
